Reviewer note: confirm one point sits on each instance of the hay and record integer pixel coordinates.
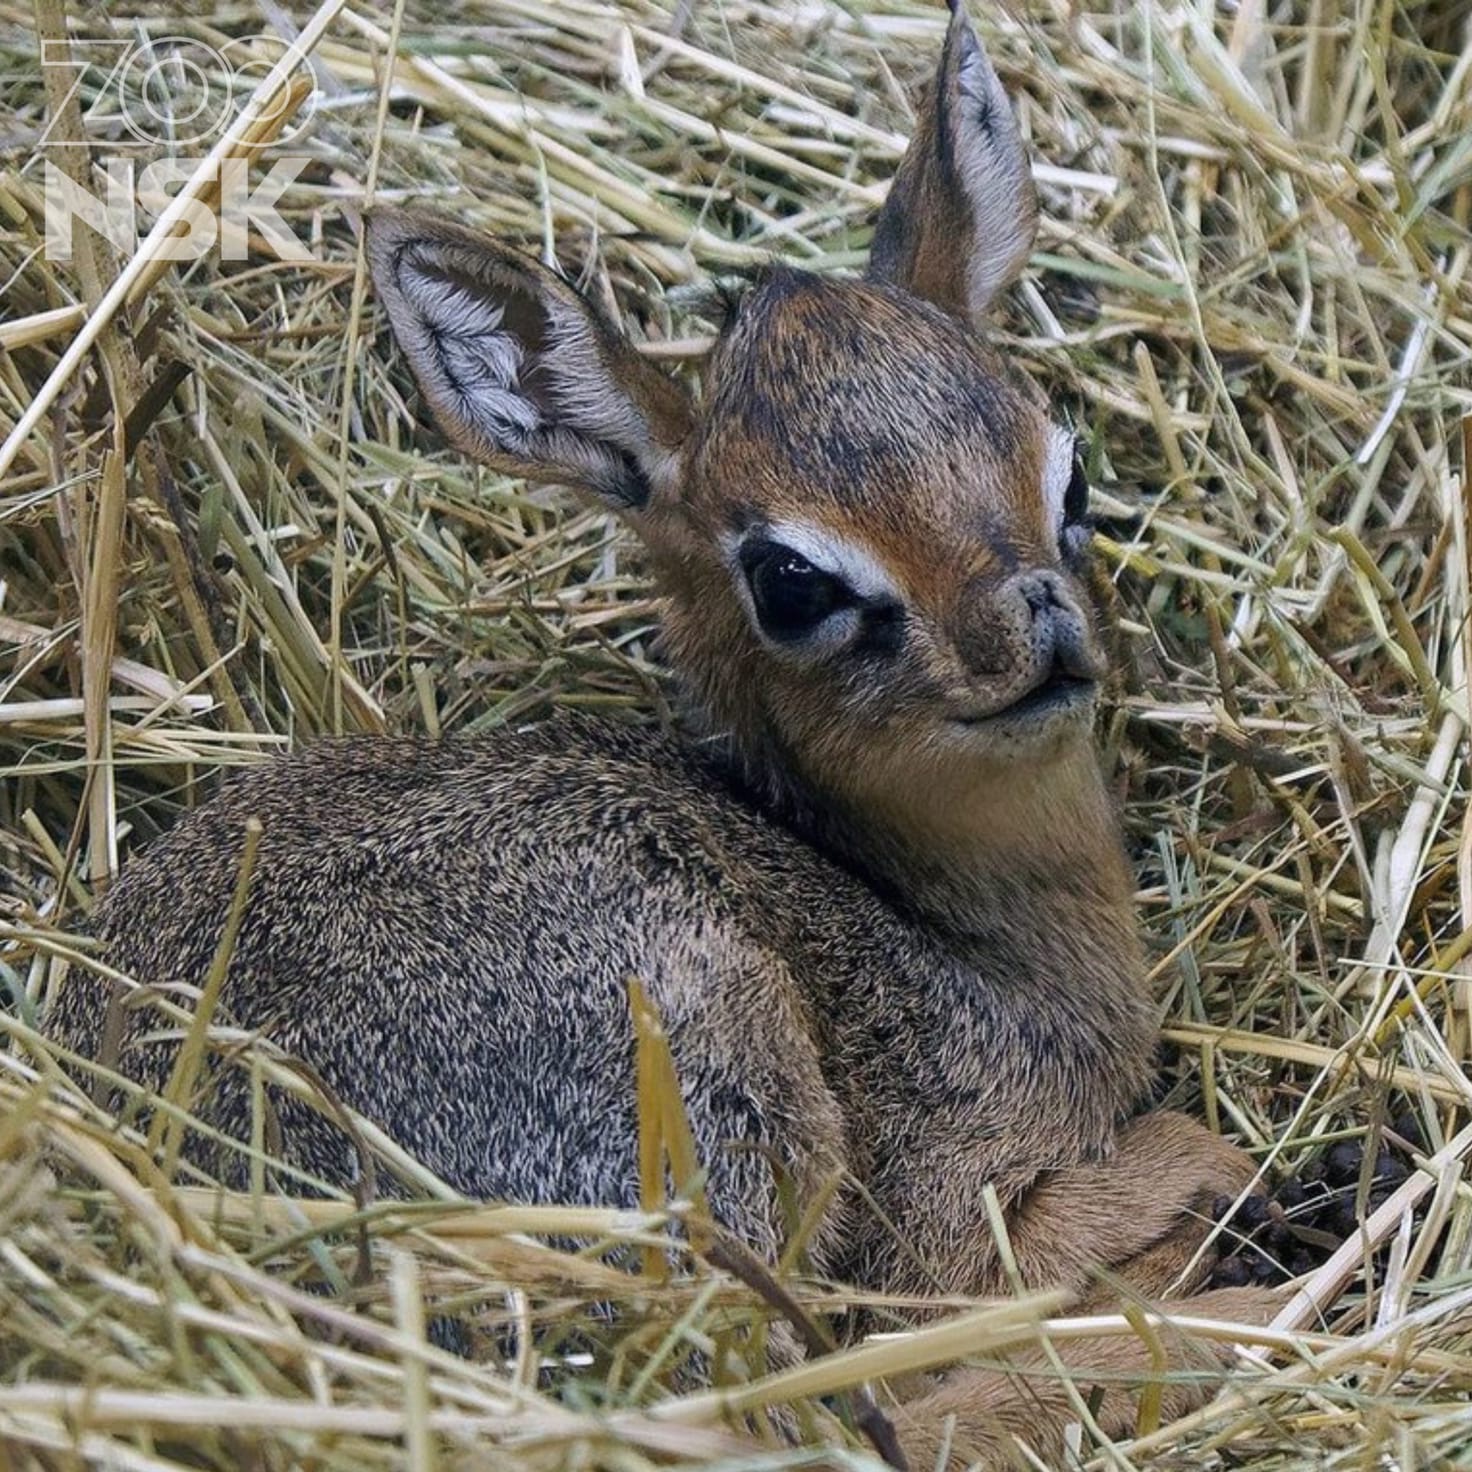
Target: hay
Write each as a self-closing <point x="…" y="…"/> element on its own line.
<point x="1250" y="289"/>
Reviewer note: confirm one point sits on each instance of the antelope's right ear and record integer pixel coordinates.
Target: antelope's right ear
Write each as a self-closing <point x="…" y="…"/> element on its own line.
<point x="520" y="371"/>
<point x="961" y="214"/>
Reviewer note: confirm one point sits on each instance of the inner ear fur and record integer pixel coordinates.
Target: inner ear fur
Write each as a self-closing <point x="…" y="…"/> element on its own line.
<point x="961" y="214"/>
<point x="520" y="371"/>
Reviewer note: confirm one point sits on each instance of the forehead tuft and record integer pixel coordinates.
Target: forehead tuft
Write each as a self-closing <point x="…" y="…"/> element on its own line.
<point x="849" y="387"/>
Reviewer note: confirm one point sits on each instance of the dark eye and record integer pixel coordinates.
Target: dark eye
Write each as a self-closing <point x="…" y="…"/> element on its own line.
<point x="792" y="597"/>
<point x="1076" y="498"/>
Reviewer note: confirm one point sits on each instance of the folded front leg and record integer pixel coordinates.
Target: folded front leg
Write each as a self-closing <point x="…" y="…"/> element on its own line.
<point x="1140" y="1215"/>
<point x="983" y="1417"/>
<point x="1124" y="1229"/>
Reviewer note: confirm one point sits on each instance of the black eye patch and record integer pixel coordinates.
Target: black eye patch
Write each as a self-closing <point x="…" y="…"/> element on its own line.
<point x="791" y="596"/>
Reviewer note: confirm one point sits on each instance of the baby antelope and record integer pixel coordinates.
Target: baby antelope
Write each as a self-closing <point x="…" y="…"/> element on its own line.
<point x="877" y="891"/>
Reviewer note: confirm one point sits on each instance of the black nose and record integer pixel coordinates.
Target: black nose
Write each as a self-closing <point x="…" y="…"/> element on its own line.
<point x="1059" y="639"/>
<point x="1041" y="590"/>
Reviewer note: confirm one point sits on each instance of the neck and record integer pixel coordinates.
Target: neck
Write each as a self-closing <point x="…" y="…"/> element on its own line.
<point x="1021" y="871"/>
<point x="951" y="840"/>
<point x="1016" y="868"/>
<point x="946" y="841"/>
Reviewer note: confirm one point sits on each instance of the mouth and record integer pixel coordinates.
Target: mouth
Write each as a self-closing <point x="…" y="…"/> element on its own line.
<point x="1058" y="693"/>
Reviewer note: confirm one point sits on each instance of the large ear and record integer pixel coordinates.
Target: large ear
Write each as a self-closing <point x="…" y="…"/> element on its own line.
<point x="961" y="213"/>
<point x="520" y="371"/>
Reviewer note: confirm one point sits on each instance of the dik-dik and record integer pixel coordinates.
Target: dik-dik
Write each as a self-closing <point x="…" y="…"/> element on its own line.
<point x="876" y="889"/>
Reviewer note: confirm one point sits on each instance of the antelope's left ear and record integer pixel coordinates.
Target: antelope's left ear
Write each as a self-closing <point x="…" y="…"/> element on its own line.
<point x="961" y="214"/>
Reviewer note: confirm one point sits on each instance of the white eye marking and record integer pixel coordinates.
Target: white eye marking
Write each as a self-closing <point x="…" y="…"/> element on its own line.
<point x="837" y="556"/>
<point x="1058" y="456"/>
